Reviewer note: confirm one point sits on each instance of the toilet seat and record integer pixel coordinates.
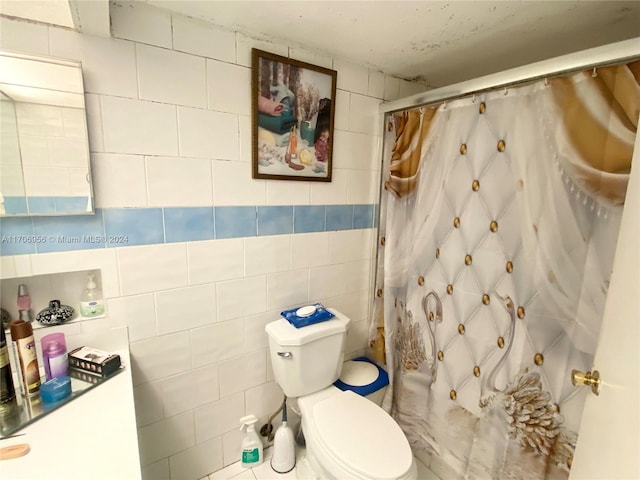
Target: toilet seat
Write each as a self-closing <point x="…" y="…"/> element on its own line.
<point x="349" y="427"/>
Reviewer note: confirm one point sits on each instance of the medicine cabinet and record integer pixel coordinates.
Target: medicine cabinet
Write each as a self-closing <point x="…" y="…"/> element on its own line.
<point x="44" y="157"/>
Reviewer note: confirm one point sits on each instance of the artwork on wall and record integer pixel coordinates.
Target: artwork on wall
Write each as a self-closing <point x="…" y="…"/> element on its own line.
<point x="293" y="108"/>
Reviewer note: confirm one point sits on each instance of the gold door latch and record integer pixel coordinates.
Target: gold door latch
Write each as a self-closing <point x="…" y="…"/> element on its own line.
<point x="579" y="378"/>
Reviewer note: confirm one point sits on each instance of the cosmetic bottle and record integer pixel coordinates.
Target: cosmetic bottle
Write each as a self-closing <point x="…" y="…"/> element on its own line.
<point x="54" y="356"/>
<point x="91" y="301"/>
<point x="24" y="303"/>
<point x="7" y="391"/>
<point x="24" y="348"/>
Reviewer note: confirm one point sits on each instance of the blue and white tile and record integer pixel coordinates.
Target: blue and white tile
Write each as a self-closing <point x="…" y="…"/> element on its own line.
<point x="188" y="224"/>
<point x="134" y="226"/>
<point x="75" y="232"/>
<point x="309" y="218"/>
<point x="275" y="220"/>
<point x="179" y="182"/>
<point x="339" y="217"/>
<point x="234" y="222"/>
<point x="17" y="236"/>
<point x="363" y="216"/>
<point x="41" y="205"/>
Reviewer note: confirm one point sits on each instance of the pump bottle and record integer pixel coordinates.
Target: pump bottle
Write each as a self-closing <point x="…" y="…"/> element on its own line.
<point x="251" y="443"/>
<point x="91" y="301"/>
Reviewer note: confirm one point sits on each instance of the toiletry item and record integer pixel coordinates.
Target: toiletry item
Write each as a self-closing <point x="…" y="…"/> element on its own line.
<point x="54" y="356"/>
<point x="91" y="301"/>
<point x="94" y="361"/>
<point x="284" y="448"/>
<point x="7" y="391"/>
<point x="5" y="318"/>
<point x="251" y="443"/>
<point x="24" y="300"/>
<point x="55" y="313"/>
<point x="53" y="391"/>
<point x="24" y="348"/>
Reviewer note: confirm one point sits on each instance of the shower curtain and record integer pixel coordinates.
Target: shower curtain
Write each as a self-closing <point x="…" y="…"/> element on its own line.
<point x="499" y="219"/>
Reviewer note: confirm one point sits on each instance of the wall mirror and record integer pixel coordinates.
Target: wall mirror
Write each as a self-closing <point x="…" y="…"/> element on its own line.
<point x="44" y="148"/>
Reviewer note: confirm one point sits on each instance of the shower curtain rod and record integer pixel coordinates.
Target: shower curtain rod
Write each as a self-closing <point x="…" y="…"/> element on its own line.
<point x="619" y="52"/>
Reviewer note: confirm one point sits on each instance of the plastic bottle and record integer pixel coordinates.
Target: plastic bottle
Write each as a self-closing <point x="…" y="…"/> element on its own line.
<point x="91" y="301"/>
<point x="24" y="347"/>
<point x="7" y="391"/>
<point x="24" y="303"/>
<point x="251" y="443"/>
<point x="54" y="356"/>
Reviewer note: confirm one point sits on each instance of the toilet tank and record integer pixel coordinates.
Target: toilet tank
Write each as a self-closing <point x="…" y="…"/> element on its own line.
<point x="307" y="359"/>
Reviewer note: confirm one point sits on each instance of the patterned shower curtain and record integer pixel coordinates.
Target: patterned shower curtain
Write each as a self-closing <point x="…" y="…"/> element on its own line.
<point x="499" y="221"/>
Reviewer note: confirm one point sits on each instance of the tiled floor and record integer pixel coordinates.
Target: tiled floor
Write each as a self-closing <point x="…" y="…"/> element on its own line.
<point x="264" y="472"/>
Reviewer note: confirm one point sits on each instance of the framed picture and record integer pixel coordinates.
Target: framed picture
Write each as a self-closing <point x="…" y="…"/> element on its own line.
<point x="293" y="108"/>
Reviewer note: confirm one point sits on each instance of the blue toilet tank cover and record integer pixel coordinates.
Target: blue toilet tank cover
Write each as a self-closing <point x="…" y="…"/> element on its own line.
<point x="363" y="390"/>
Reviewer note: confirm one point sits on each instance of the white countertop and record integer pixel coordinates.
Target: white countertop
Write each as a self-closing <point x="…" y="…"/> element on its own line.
<point x="92" y="437"/>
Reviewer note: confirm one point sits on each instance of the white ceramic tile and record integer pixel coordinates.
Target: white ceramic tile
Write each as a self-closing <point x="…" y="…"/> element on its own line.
<point x="157" y="471"/>
<point x="288" y="193"/>
<point x="134" y="126"/>
<point x="241" y="373"/>
<point x="198" y="460"/>
<point x="369" y="242"/>
<point x="179" y="182"/>
<point x="160" y="357"/>
<point x="341" y="115"/>
<point x="119" y="180"/>
<point x="138" y="312"/>
<point x="233" y="185"/>
<point x="233" y="470"/>
<point x="67" y="152"/>
<point x="231" y="442"/>
<point x="263" y="400"/>
<point x="246" y="475"/>
<point x="255" y="337"/>
<point x="207" y="134"/>
<point x="171" y="77"/>
<point x="190" y="390"/>
<point x="229" y="87"/>
<point x="391" y="88"/>
<point x="352" y="78"/>
<point x="376" y="84"/>
<point x="238" y="298"/>
<point x="20" y="36"/>
<point x="141" y="23"/>
<point x="314" y="58"/>
<point x="149" y="405"/>
<point x="287" y="289"/>
<point x="346" y="246"/>
<point x="216" y="342"/>
<point x="269" y="369"/>
<point x="78" y="180"/>
<point x="356" y="275"/>
<point x="94" y="122"/>
<point x="185" y="308"/>
<point x="352" y="150"/>
<point x="362" y="187"/>
<point x="267" y="254"/>
<point x="265" y="472"/>
<point x="8" y="266"/>
<point x="51" y="179"/>
<point x="246" y="154"/>
<point x="202" y="38"/>
<point x="78" y="260"/>
<point x="353" y="305"/>
<point x="331" y="193"/>
<point x="108" y="64"/>
<point x="150" y="268"/>
<point x="244" y="45"/>
<point x="12" y="180"/>
<point x="166" y="437"/>
<point x="363" y="115"/>
<point x="357" y="336"/>
<point x="219" y="417"/>
<point x="309" y="250"/>
<point x="215" y="260"/>
<point x="326" y="281"/>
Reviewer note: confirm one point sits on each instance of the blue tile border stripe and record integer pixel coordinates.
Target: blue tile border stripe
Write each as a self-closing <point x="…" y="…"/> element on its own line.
<point x="121" y="227"/>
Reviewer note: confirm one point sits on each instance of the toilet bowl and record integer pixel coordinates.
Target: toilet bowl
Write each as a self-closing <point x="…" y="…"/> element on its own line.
<point x="348" y="437"/>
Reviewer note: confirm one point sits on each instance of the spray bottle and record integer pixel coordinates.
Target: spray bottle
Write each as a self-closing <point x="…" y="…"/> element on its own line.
<point x="251" y="443"/>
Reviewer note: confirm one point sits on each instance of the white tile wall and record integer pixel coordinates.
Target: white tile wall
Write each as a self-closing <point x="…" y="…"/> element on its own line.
<point x="169" y="98"/>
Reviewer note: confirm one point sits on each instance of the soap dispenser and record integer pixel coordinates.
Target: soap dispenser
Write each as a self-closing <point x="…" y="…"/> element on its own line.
<point x="91" y="301"/>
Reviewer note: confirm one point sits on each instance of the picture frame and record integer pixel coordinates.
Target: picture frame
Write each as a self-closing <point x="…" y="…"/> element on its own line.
<point x="293" y="110"/>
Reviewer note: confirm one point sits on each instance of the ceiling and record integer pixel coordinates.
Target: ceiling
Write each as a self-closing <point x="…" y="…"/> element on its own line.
<point x="434" y="42"/>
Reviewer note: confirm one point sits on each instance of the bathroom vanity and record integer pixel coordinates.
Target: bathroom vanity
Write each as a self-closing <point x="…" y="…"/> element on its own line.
<point x="92" y="436"/>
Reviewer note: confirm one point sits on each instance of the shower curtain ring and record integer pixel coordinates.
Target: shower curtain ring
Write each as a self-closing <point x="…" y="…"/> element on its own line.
<point x="444" y="105"/>
<point x="546" y="82"/>
<point x="473" y="98"/>
<point x="506" y="91"/>
<point x="594" y="74"/>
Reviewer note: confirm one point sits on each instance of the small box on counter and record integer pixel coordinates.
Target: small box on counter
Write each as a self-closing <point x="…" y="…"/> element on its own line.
<point x="94" y="361"/>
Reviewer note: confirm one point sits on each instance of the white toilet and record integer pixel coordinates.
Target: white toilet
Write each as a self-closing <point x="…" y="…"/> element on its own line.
<point x="348" y="437"/>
